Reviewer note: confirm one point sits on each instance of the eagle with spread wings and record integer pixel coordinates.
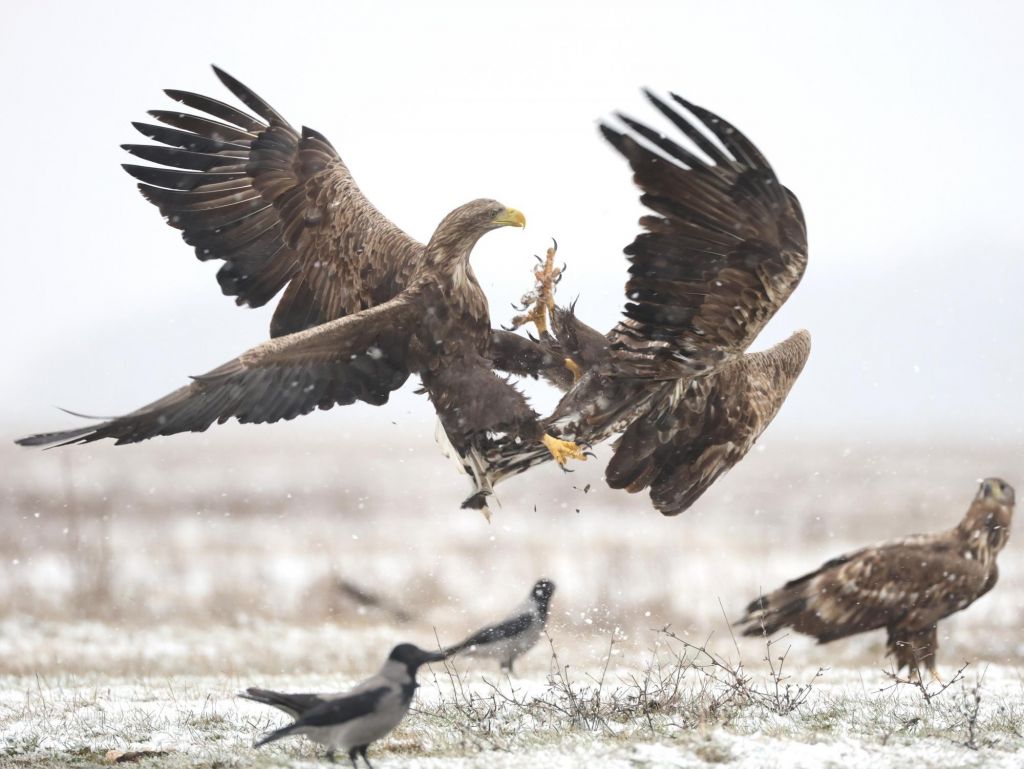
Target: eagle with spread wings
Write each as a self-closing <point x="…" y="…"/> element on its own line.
<point x="906" y="586"/>
<point x="363" y="305"/>
<point x="723" y="248"/>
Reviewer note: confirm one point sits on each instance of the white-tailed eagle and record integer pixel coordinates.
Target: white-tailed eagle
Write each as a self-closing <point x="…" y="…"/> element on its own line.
<point x="363" y="305"/>
<point x="905" y="586"/>
<point x="723" y="248"/>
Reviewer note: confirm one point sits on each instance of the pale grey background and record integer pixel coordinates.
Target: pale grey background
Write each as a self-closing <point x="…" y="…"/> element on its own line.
<point x="898" y="126"/>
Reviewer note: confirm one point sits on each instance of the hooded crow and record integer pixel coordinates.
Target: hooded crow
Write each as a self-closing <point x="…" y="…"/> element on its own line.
<point x="516" y="634"/>
<point x="350" y="721"/>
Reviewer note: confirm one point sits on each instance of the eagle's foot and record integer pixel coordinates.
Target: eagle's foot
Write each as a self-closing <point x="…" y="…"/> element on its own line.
<point x="562" y="451"/>
<point x="548" y="276"/>
<point x="537" y="314"/>
<point x="539" y="303"/>
<point x="574" y="368"/>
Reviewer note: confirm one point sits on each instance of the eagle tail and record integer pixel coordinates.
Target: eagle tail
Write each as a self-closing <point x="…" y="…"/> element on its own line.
<point x="768" y="614"/>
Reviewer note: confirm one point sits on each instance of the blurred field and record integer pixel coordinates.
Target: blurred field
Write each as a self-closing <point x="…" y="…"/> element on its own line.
<point x="252" y="528"/>
<point x="212" y="562"/>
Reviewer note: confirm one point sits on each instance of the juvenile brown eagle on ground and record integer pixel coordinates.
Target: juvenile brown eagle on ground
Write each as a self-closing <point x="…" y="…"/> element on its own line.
<point x="723" y="248"/>
<point x="363" y="306"/>
<point x="905" y="586"/>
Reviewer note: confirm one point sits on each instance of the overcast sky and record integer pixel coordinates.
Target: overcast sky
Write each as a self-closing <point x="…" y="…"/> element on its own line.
<point x="898" y="125"/>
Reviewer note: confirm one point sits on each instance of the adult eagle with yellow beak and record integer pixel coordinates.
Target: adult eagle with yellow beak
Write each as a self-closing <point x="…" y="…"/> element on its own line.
<point x="364" y="305"/>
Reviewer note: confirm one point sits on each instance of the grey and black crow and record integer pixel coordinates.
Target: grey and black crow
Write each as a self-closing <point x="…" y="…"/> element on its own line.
<point x="350" y="721"/>
<point x="516" y="634"/>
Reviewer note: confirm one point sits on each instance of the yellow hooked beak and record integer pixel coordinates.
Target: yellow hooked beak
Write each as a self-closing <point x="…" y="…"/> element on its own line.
<point x="510" y="217"/>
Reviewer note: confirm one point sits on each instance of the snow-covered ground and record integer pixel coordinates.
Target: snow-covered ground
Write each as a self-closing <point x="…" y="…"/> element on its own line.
<point x="849" y="718"/>
<point x="141" y="587"/>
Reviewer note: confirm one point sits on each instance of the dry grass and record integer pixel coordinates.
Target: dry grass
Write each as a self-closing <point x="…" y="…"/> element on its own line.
<point x="680" y="705"/>
<point x="140" y="587"/>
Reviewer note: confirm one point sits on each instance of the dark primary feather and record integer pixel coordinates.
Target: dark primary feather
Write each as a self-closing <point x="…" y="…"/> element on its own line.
<point x="359" y="357"/>
<point x="276" y="204"/>
<point x="725" y="248"/>
<point x="343" y="709"/>
<point x="331" y="713"/>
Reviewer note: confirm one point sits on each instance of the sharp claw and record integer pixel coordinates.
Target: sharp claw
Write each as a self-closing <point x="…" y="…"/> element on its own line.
<point x="554" y="244"/>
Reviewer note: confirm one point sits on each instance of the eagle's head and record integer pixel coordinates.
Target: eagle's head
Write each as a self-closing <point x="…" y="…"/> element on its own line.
<point x="987" y="522"/>
<point x="998" y="491"/>
<point x="459" y="231"/>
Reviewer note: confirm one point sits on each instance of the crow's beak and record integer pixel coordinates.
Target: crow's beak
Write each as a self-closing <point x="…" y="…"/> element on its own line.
<point x="434" y="656"/>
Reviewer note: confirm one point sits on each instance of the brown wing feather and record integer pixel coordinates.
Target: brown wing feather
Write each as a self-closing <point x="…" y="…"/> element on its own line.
<point x="726" y="247"/>
<point x="689" y="439"/>
<point x="277" y="205"/>
<point x="358" y="357"/>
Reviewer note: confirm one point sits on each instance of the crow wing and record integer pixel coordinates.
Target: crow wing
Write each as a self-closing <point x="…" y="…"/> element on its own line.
<point x="331" y="713"/>
<point x="276" y="204"/>
<point x="343" y="709"/>
<point x="292" y="704"/>
<point x="509" y="628"/>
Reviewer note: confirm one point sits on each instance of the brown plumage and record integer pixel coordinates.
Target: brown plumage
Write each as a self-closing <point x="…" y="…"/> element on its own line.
<point x="723" y="250"/>
<point x="685" y="442"/>
<point x="905" y="586"/>
<point x="363" y="304"/>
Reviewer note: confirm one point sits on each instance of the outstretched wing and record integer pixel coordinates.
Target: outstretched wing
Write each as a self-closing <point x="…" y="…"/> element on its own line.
<point x="277" y="205"/>
<point x="686" y="442"/>
<point x="358" y="357"/>
<point x="724" y="248"/>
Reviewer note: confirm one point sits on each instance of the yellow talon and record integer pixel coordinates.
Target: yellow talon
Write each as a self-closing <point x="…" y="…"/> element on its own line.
<point x="541" y="301"/>
<point x="547" y="276"/>
<point x="574" y="367"/>
<point x="563" y="450"/>
<point x="537" y="314"/>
